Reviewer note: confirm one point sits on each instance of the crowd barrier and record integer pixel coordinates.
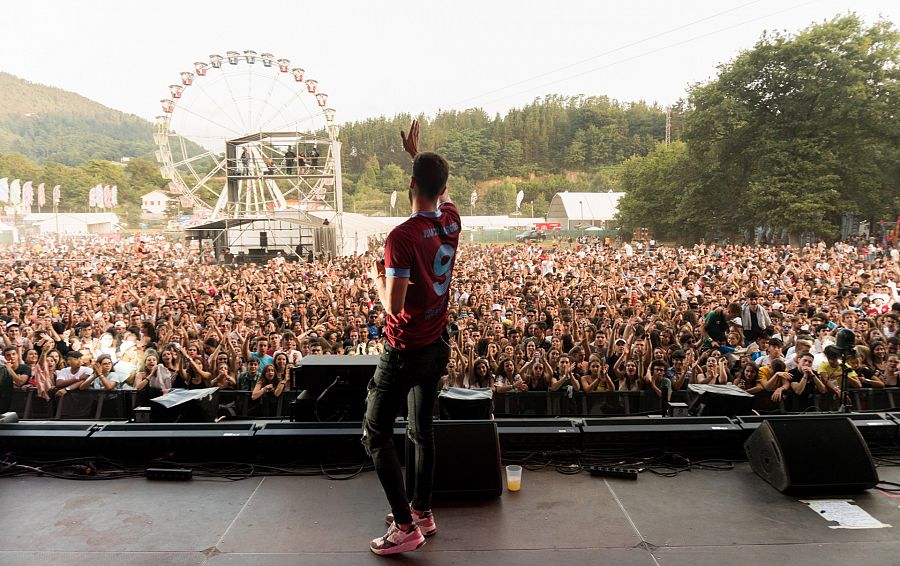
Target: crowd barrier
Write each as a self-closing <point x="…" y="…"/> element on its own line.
<point x="115" y="405"/>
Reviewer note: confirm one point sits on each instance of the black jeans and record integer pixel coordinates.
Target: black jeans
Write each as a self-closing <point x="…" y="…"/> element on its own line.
<point x="414" y="376"/>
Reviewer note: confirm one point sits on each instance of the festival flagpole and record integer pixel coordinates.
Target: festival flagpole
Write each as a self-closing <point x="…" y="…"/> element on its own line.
<point x="56" y="196"/>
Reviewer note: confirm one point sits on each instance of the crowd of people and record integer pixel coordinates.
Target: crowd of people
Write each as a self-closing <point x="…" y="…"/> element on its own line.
<point x="584" y="316"/>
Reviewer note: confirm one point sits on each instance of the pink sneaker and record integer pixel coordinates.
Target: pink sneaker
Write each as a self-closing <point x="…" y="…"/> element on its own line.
<point x="424" y="520"/>
<point x="396" y="540"/>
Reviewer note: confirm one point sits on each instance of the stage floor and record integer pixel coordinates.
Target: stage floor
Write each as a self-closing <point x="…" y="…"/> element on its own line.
<point x="696" y="518"/>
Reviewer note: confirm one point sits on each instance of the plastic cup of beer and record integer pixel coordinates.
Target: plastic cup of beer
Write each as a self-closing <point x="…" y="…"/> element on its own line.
<point x="513" y="478"/>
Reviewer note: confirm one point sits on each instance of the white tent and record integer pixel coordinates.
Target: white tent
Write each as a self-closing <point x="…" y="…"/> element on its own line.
<point x="74" y="223"/>
<point x="577" y="210"/>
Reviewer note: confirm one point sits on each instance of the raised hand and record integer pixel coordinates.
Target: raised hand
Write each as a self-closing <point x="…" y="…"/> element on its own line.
<point x="411" y="140"/>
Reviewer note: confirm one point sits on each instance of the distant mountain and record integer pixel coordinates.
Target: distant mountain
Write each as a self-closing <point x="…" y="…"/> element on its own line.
<point x="50" y="124"/>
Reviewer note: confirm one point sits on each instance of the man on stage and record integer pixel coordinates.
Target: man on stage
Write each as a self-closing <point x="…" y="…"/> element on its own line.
<point x="413" y="282"/>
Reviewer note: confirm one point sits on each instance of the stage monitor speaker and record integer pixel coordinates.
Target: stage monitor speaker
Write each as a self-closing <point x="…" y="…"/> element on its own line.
<point x="456" y="404"/>
<point x="467" y="460"/>
<point x="187" y="406"/>
<point x="719" y="401"/>
<point x="811" y="456"/>
<point x="333" y="388"/>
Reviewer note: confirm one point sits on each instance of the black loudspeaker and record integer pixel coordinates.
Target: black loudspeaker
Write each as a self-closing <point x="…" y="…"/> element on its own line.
<point x="264" y="240"/>
<point x="718" y="401"/>
<point x="811" y="456"/>
<point x="464" y="408"/>
<point x="333" y="388"/>
<point x="188" y="407"/>
<point x="467" y="460"/>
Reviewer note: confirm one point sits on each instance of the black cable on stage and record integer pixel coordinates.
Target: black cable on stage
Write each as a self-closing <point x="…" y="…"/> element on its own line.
<point x="365" y="466"/>
<point x="666" y="464"/>
<point x="895" y="489"/>
<point x="99" y="468"/>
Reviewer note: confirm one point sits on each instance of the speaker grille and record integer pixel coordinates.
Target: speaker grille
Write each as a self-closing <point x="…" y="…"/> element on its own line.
<point x="813" y="455"/>
<point x="467" y="460"/>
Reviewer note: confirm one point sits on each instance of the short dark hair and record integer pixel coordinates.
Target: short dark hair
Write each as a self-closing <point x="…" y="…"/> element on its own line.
<point x="733" y="310"/>
<point x="431" y="171"/>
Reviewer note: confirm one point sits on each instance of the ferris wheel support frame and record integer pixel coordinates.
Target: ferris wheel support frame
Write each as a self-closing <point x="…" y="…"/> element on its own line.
<point x="256" y="192"/>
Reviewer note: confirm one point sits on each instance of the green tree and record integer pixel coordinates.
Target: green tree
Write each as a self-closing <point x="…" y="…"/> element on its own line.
<point x="393" y="178"/>
<point x="509" y="159"/>
<point x="801" y="128"/>
<point x="653" y="187"/>
<point x="143" y="176"/>
<point x="540" y="206"/>
<point x="17" y="166"/>
<point x="499" y="199"/>
<point x="471" y="153"/>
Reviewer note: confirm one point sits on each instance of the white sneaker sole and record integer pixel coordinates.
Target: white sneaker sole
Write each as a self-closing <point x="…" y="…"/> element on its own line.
<point x="406" y="547"/>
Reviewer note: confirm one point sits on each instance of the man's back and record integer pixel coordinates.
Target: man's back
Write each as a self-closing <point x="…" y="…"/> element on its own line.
<point x="422" y="249"/>
<point x="716" y="325"/>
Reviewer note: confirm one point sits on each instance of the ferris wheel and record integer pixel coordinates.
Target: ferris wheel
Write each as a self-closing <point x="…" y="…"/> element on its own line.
<point x="246" y="134"/>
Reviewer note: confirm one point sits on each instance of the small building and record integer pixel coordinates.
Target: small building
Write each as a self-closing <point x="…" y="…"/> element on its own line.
<point x="576" y="211"/>
<point x="155" y="202"/>
<point x="72" y="224"/>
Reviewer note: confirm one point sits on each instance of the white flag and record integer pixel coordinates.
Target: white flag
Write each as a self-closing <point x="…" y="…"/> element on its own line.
<point x="42" y="195"/>
<point x="4" y="189"/>
<point x="56" y="194"/>
<point x="474" y="197"/>
<point x="15" y="192"/>
<point x="107" y="196"/>
<point x="92" y="197"/>
<point x="520" y="196"/>
<point x="96" y="196"/>
<point x="115" y="195"/>
<point x="393" y="199"/>
<point x="28" y="194"/>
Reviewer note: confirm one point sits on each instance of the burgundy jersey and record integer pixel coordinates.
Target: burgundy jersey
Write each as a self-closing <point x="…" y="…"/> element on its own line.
<point x="423" y="250"/>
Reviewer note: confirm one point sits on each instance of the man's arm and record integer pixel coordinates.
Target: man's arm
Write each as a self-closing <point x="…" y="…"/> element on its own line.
<point x="63" y="383"/>
<point x="18" y="380"/>
<point x="703" y="328"/>
<point x="92" y="376"/>
<point x="391" y="287"/>
<point x="678" y="382"/>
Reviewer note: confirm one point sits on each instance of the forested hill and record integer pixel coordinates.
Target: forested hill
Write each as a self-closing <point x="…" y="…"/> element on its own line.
<point x="50" y="124"/>
<point x="554" y="144"/>
<point x="551" y="134"/>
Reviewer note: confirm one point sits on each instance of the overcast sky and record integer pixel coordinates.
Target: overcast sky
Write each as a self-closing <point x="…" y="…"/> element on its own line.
<point x="380" y="58"/>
